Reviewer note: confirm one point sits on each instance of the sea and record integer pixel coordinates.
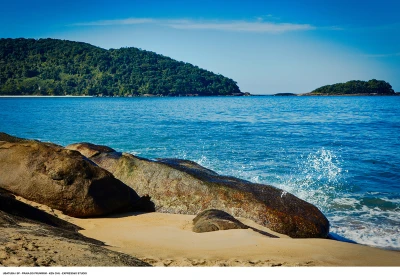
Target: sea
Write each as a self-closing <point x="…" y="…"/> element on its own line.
<point x="341" y="154"/>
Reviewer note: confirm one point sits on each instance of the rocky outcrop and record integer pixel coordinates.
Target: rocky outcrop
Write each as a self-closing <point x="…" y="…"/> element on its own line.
<point x="32" y="237"/>
<point x="90" y="150"/>
<point x="14" y="210"/>
<point x="62" y="179"/>
<point x="181" y="186"/>
<point x="213" y="220"/>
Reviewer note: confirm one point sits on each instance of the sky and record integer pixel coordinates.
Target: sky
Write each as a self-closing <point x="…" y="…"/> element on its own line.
<point x="265" y="46"/>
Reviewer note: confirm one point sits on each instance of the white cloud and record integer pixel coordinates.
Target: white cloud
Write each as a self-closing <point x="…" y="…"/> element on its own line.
<point x="243" y="26"/>
<point x="234" y="26"/>
<point x="383" y="55"/>
<point x="127" y="21"/>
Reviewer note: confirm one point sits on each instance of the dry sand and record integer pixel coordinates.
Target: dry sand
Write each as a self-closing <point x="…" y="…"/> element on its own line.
<point x="167" y="240"/>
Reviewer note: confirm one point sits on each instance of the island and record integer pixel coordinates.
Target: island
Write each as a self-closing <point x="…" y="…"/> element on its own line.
<point x="355" y="87"/>
<point x="52" y="67"/>
<point x="284" y="94"/>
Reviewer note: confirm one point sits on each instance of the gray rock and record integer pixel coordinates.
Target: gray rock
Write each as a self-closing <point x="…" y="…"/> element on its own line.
<point x="184" y="187"/>
<point x="213" y="220"/>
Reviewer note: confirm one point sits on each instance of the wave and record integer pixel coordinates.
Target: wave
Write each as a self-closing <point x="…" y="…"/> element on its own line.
<point x="370" y="218"/>
<point x="319" y="177"/>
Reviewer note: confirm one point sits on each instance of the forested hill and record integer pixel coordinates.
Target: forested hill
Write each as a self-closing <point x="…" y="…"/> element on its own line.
<point x="372" y="87"/>
<point x="60" y="67"/>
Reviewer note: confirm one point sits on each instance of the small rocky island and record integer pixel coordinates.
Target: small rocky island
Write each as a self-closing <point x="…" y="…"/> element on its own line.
<point x="285" y="94"/>
<point x="371" y="88"/>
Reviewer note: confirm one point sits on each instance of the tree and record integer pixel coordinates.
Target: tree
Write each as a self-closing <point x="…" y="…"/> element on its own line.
<point x="66" y="67"/>
<point x="357" y="87"/>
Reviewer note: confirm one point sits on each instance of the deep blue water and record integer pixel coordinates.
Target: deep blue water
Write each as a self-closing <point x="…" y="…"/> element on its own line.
<point x="340" y="153"/>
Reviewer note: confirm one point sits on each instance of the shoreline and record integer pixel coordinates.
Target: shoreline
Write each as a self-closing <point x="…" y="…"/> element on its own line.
<point x="351" y="94"/>
<point x="162" y="96"/>
<point x="166" y="239"/>
<point x="163" y="239"/>
<point x="135" y="96"/>
<point x="43" y="96"/>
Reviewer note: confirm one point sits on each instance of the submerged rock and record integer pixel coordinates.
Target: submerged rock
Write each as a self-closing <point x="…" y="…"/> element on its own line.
<point x="62" y="179"/>
<point x="184" y="187"/>
<point x="213" y="220"/>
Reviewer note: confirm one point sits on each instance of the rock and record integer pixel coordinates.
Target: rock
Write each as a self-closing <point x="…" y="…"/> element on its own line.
<point x="11" y="207"/>
<point x="32" y="237"/>
<point x="61" y="178"/>
<point x="213" y="220"/>
<point x="184" y="187"/>
<point x="91" y="150"/>
<point x="284" y="94"/>
<point x="9" y="138"/>
<point x="14" y="212"/>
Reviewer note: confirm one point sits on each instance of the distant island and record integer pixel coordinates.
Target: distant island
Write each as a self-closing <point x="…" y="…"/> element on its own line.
<point x="355" y="87"/>
<point x="284" y="94"/>
<point x="52" y="67"/>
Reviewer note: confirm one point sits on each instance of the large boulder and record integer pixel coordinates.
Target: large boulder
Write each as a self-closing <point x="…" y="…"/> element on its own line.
<point x="61" y="178"/>
<point x="184" y="187"/>
<point x="214" y="219"/>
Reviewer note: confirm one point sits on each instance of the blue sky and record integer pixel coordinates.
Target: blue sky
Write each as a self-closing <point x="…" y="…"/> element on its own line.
<point x="266" y="46"/>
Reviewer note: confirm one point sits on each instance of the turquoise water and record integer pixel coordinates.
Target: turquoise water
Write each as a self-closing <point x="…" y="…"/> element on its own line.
<point x="340" y="153"/>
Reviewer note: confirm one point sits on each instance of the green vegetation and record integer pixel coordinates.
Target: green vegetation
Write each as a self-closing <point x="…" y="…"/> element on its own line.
<point x="60" y="67"/>
<point x="357" y="87"/>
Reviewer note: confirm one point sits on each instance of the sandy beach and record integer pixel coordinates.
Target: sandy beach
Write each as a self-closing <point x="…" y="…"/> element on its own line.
<point x="168" y="240"/>
<point x="43" y="96"/>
